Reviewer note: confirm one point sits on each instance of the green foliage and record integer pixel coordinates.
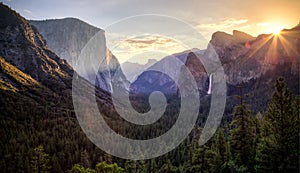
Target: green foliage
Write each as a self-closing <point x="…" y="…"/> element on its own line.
<point x="278" y="148"/>
<point x="80" y="169"/>
<point x="168" y="168"/>
<point x="40" y="161"/>
<point x="103" y="167"/>
<point x="218" y="154"/>
<point x="33" y="116"/>
<point x="130" y="166"/>
<point x="242" y="138"/>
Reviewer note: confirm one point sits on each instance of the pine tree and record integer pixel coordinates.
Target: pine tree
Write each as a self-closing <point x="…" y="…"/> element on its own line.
<point x="40" y="161"/>
<point x="168" y="167"/>
<point x="141" y="166"/>
<point x="153" y="166"/>
<point x="200" y="158"/>
<point x="218" y="154"/>
<point x="84" y="159"/>
<point x="56" y="166"/>
<point x="242" y="138"/>
<point x="130" y="166"/>
<point x="221" y="146"/>
<point x="278" y="147"/>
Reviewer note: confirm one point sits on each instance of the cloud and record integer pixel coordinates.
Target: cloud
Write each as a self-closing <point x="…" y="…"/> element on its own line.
<point x="225" y="23"/>
<point x="27" y="11"/>
<point x="29" y="14"/>
<point x="263" y="24"/>
<point x="132" y="47"/>
<point x="148" y="41"/>
<point x="134" y="41"/>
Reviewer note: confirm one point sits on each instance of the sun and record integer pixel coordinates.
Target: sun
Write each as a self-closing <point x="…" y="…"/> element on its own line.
<point x="275" y="29"/>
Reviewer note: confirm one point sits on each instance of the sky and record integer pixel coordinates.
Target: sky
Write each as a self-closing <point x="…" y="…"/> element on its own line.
<point x="251" y="16"/>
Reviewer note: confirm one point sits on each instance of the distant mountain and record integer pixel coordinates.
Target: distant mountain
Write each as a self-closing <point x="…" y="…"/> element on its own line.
<point x="255" y="63"/>
<point x="132" y="70"/>
<point x="67" y="37"/>
<point x="172" y="67"/>
<point x="252" y="62"/>
<point x="251" y="58"/>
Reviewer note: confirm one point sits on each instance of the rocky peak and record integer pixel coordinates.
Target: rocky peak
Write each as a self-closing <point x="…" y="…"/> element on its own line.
<point x="197" y="69"/>
<point x="221" y="39"/>
<point x="227" y="46"/>
<point x="173" y="65"/>
<point x="68" y="36"/>
<point x="245" y="57"/>
<point x="241" y="37"/>
<point x="23" y="46"/>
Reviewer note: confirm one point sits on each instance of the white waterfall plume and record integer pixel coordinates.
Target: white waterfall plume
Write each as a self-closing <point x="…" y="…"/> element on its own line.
<point x="210" y="84"/>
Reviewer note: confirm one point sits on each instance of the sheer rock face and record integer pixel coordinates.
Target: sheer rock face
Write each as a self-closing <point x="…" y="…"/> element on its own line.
<point x="67" y="37"/>
<point x="30" y="71"/>
<point x="245" y="57"/>
<point x="22" y="46"/>
<point x="197" y="69"/>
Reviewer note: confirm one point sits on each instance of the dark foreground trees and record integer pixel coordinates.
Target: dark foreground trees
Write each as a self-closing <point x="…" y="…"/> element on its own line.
<point x="278" y="147"/>
<point x="267" y="142"/>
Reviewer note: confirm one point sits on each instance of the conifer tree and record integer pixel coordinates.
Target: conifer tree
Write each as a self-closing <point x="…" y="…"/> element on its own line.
<point x="278" y="147"/>
<point x="218" y="154"/>
<point x="84" y="159"/>
<point x="40" y="161"/>
<point x="242" y="138"/>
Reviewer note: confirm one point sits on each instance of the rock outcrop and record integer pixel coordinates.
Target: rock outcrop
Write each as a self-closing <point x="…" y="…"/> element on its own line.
<point x="67" y="37"/>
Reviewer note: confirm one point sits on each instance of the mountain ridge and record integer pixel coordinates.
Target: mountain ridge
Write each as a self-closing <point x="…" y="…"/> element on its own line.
<point x="68" y="36"/>
<point x="248" y="61"/>
<point x="21" y="44"/>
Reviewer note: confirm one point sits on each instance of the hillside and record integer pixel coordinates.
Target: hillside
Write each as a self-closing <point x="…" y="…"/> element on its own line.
<point x="36" y="102"/>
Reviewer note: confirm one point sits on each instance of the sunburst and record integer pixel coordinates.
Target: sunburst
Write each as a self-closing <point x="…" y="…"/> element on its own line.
<point x="277" y="44"/>
<point x="274" y="29"/>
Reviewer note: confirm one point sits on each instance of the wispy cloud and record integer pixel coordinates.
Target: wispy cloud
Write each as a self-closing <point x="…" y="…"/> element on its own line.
<point x="27" y="11"/>
<point x="225" y="23"/>
<point x="149" y="41"/>
<point x="132" y="47"/>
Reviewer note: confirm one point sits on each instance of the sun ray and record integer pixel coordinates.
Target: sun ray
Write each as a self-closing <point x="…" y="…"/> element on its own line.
<point x="260" y="44"/>
<point x="256" y="47"/>
<point x="272" y="52"/>
<point x="288" y="47"/>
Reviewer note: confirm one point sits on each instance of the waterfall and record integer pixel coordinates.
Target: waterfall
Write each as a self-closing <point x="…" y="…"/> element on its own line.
<point x="210" y="84"/>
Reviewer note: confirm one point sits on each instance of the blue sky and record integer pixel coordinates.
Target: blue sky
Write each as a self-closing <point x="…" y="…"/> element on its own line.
<point x="103" y="12"/>
<point x="207" y="16"/>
